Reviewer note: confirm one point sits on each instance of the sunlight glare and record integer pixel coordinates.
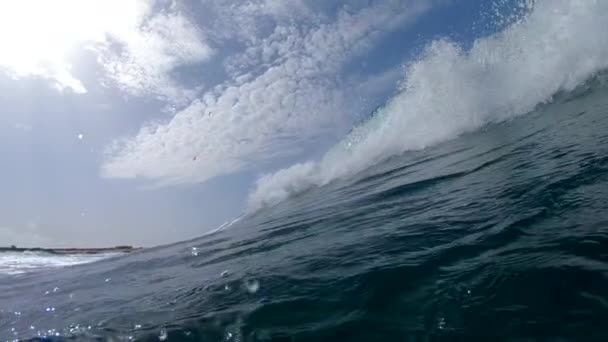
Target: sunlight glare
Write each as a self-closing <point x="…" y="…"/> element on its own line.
<point x="37" y="37"/>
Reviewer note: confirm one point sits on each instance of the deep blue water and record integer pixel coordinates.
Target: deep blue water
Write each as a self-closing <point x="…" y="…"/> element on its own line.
<point x="498" y="235"/>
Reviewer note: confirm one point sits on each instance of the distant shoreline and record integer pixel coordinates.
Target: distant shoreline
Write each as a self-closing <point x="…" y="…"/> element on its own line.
<point x="69" y="251"/>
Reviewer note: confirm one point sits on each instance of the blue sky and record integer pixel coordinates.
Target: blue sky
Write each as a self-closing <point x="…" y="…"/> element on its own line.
<point x="146" y="122"/>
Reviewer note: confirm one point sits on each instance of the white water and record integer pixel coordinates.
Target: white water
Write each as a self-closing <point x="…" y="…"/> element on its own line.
<point x="447" y="91"/>
<point x="22" y="262"/>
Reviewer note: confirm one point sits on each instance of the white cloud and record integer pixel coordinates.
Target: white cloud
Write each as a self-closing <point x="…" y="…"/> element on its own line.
<point x="148" y="55"/>
<point x="138" y="47"/>
<point x="285" y="89"/>
<point x="249" y="21"/>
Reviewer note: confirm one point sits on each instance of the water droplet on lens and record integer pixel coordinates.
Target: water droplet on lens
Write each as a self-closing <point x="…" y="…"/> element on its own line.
<point x="252" y="285"/>
<point x="162" y="334"/>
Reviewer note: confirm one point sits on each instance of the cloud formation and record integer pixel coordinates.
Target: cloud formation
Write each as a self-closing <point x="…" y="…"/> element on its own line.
<point x="146" y="56"/>
<point x="137" y="45"/>
<point x="283" y="88"/>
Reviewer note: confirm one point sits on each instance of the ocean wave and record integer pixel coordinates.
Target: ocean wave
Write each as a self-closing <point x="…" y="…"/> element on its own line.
<point x="448" y="90"/>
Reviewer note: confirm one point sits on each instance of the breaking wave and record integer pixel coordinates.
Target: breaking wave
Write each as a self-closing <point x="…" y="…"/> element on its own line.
<point x="23" y="262"/>
<point x="447" y="91"/>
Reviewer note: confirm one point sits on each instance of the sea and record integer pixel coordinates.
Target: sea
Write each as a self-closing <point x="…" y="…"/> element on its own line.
<point x="472" y="206"/>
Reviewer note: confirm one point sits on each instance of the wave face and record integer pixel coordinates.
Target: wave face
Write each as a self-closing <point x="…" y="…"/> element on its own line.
<point x="448" y="91"/>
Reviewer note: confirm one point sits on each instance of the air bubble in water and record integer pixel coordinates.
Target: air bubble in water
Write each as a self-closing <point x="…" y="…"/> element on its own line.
<point x="225" y="273"/>
<point x="252" y="285"/>
<point x="442" y="324"/>
<point x="194" y="251"/>
<point x="162" y="336"/>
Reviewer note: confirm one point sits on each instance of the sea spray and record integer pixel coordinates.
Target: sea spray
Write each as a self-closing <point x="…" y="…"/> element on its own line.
<point x="449" y="91"/>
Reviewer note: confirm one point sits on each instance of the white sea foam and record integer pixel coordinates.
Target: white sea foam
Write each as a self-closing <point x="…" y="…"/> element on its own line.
<point x="225" y="225"/>
<point x="447" y="91"/>
<point x="22" y="262"/>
